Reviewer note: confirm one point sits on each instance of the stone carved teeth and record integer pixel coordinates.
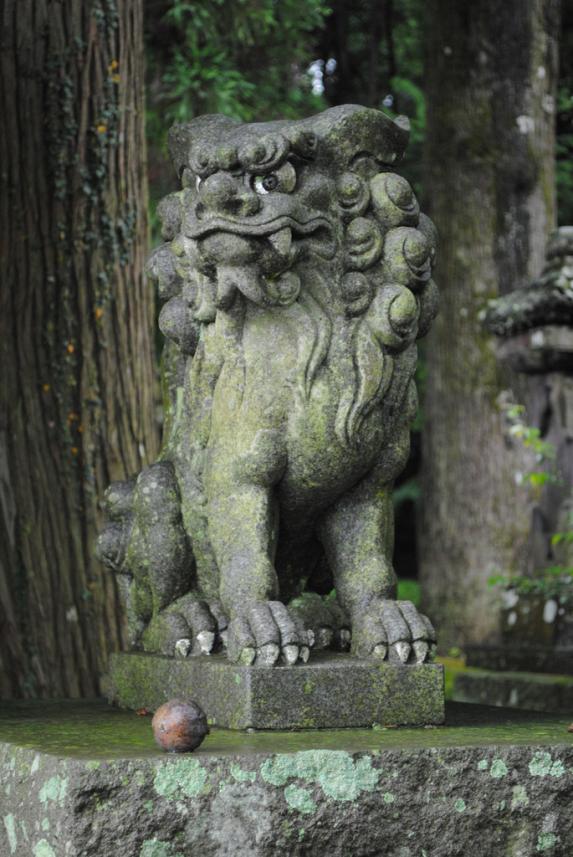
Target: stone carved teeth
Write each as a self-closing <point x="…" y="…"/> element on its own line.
<point x="304" y="654"/>
<point x="282" y="241"/>
<point x="182" y="647"/>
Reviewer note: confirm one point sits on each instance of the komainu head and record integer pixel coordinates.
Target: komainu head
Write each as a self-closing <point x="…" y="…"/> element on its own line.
<point x="261" y="201"/>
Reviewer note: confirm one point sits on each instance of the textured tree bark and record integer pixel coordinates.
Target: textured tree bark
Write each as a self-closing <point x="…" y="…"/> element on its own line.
<point x="491" y="72"/>
<point x="76" y="321"/>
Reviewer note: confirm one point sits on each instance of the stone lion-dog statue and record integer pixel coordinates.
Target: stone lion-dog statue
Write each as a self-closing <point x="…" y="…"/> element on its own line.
<point x="296" y="279"/>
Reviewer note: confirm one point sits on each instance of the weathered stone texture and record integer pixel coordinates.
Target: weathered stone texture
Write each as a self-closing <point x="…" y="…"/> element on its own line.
<point x="296" y="277"/>
<point x="331" y="691"/>
<point x="496" y="784"/>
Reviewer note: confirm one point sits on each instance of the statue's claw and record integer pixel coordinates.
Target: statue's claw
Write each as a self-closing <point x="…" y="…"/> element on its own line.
<point x="188" y="627"/>
<point x="205" y="641"/>
<point x="402" y="650"/>
<point x="393" y="630"/>
<point x="182" y="647"/>
<point x="264" y="634"/>
<point x="421" y="650"/>
<point x="247" y="656"/>
<point x="290" y="654"/>
<point x="202" y="624"/>
<point x="209" y="623"/>
<point x="326" y="622"/>
<point x="323" y="637"/>
<point x="268" y="655"/>
<point x="343" y="638"/>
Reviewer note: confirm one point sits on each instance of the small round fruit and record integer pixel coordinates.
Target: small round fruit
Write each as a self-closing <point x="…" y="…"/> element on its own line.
<point x="179" y="726"/>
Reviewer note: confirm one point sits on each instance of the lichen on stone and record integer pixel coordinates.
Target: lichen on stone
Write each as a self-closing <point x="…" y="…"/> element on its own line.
<point x="498" y="769"/>
<point x="339" y="775"/>
<point x="542" y="765"/>
<point x="300" y="799"/>
<point x="181" y="778"/>
<point x="54" y="789"/>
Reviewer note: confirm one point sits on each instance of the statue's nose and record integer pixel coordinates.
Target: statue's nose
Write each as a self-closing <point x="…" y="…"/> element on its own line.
<point x="223" y="193"/>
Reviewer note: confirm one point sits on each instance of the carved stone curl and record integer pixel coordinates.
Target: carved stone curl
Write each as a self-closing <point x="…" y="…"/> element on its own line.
<point x="296" y="278"/>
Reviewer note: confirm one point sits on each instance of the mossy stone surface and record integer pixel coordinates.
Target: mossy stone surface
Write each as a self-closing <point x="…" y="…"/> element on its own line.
<point x="296" y="276"/>
<point x="533" y="691"/>
<point x="331" y="691"/>
<point x="85" y="779"/>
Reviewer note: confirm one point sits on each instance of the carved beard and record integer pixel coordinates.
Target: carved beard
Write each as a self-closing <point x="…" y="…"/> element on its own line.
<point x="252" y="266"/>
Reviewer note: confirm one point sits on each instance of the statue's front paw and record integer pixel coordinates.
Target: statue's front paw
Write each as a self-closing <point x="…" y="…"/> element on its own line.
<point x="265" y="632"/>
<point x="393" y="630"/>
<point x="189" y="626"/>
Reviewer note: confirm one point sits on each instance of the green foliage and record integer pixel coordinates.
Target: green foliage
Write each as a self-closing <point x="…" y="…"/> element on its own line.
<point x="409" y="490"/>
<point x="248" y="66"/>
<point x="247" y="59"/>
<point x="530" y="437"/>
<point x="373" y="54"/>
<point x="250" y="59"/>
<point x="409" y="590"/>
<point x="554" y="581"/>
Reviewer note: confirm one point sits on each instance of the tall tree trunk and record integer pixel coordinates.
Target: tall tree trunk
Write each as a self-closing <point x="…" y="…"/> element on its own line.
<point x="490" y="74"/>
<point x="76" y="321"/>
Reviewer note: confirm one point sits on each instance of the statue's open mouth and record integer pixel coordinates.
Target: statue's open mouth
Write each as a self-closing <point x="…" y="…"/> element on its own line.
<point x="287" y="236"/>
<point x="259" y="259"/>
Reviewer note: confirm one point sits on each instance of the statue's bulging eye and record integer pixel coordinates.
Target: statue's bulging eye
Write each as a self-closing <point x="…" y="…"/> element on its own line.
<point x="266" y="184"/>
<point x="282" y="180"/>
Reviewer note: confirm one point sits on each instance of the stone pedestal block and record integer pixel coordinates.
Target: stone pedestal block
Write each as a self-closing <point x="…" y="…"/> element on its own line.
<point x="331" y="691"/>
<point x="86" y="780"/>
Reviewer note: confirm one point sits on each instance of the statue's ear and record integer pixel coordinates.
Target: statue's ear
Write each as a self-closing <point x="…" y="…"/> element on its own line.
<point x="350" y="131"/>
<point x="206" y="130"/>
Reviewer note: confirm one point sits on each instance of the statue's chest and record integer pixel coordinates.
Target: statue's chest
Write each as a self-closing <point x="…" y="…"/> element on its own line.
<point x="316" y="449"/>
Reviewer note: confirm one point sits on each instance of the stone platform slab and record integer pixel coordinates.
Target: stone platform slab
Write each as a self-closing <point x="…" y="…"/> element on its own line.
<point x="532" y="691"/>
<point x="85" y="780"/>
<point x="526" y="658"/>
<point x="330" y="691"/>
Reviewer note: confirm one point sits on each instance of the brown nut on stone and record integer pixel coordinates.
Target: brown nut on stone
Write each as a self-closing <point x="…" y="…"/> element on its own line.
<point x="179" y="726"/>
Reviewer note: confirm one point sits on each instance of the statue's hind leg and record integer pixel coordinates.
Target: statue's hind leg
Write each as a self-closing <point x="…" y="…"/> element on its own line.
<point x="358" y="536"/>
